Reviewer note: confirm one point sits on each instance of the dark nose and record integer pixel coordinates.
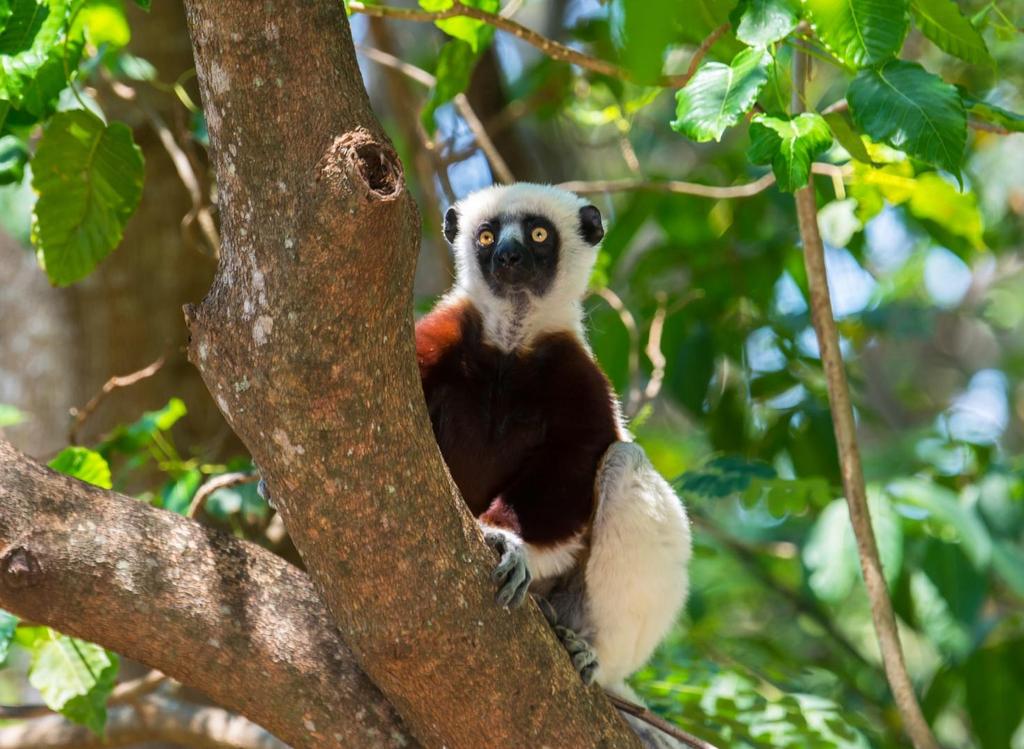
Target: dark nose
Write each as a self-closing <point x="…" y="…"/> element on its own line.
<point x="509" y="254"/>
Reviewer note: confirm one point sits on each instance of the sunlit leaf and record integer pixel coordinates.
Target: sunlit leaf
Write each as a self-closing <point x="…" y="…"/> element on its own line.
<point x="789" y="145"/>
<point x="74" y="678"/>
<point x="859" y="32"/>
<point x="645" y="31"/>
<point x="13" y="157"/>
<point x="763" y="22"/>
<point x="89" y="180"/>
<point x="103" y="22"/>
<point x="719" y="95"/>
<point x="943" y="23"/>
<point x="905" y="106"/>
<point x="454" y="67"/>
<point x="178" y="493"/>
<point x="84" y="465"/>
<point x="842" y="127"/>
<point x="477" y="34"/>
<point x="9" y="415"/>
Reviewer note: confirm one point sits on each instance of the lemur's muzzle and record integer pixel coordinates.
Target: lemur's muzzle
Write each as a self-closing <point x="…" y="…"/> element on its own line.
<point x="512" y="263"/>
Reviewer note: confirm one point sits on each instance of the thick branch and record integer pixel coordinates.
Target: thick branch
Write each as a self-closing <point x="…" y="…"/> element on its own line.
<point x="154" y="718"/>
<point x="849" y="454"/>
<point x="306" y="342"/>
<point x="217" y="614"/>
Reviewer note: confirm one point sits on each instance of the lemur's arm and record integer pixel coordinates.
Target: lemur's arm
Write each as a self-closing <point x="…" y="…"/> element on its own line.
<point x="549" y="502"/>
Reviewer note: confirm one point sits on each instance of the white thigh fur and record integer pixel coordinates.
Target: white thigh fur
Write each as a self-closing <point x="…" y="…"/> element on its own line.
<point x="636" y="575"/>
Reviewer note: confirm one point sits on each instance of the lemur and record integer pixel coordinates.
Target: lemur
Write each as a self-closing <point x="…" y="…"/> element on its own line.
<point x="531" y="431"/>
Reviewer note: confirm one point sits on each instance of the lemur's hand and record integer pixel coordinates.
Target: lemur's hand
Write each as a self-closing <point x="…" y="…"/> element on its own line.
<point x="583" y="657"/>
<point x="511" y="572"/>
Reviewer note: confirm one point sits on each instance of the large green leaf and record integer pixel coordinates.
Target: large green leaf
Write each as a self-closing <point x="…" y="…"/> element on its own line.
<point x="454" y="66"/>
<point x="763" y="22"/>
<point x="89" y="180"/>
<point x="74" y="678"/>
<point x="84" y="465"/>
<point x="789" y="145"/>
<point x="995" y="694"/>
<point x="905" y="106"/>
<point x="719" y="95"/>
<point x="859" y="32"/>
<point x="943" y="23"/>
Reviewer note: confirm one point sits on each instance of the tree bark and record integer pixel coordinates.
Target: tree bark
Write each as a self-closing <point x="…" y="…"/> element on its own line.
<point x="221" y="615"/>
<point x="305" y="341"/>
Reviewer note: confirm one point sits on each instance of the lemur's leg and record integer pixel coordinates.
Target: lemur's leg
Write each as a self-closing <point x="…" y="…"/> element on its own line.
<point x="636" y="573"/>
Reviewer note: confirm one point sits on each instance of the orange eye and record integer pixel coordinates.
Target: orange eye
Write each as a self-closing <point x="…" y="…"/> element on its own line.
<point x="539" y="234"/>
<point x="485" y="238"/>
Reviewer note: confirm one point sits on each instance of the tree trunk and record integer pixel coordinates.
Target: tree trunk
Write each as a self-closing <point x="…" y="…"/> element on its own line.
<point x="305" y="340"/>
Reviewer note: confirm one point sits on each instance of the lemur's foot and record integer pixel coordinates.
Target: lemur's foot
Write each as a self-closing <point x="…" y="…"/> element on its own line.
<point x="583" y="657"/>
<point x="511" y="573"/>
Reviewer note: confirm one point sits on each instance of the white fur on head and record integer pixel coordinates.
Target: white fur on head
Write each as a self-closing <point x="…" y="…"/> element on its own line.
<point x="510" y="324"/>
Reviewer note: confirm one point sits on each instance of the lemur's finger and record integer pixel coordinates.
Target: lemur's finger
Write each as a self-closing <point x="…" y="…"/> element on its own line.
<point x="589" y="673"/>
<point x="547" y="609"/>
<point x="516" y="585"/>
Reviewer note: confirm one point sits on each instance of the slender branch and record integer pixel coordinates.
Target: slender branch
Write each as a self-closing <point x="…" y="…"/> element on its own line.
<point x="641" y="712"/>
<point x="483" y="141"/>
<point x="678" y="187"/>
<point x="81" y="415"/>
<point x="223" y="481"/>
<point x="849" y="458"/>
<point x="127" y="691"/>
<point x="153" y="718"/>
<point x="551" y="48"/>
<point x="654" y="353"/>
<point x="614" y="301"/>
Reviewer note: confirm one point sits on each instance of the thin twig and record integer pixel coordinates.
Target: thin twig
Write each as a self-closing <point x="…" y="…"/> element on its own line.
<point x="614" y="301"/>
<point x="223" y="481"/>
<point x="81" y="415"/>
<point x="845" y="428"/>
<point x="551" y="48"/>
<point x="654" y="353"/>
<point x="678" y="187"/>
<point x="483" y="141"/>
<point x="641" y="712"/>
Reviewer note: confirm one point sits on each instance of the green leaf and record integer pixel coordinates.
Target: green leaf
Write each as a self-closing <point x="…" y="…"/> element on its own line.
<point x="477" y="34"/>
<point x="996" y="115"/>
<point x="147" y="4"/>
<point x="994" y="694"/>
<point x="719" y="95"/>
<point x="89" y="180"/>
<point x="831" y="550"/>
<point x="84" y="465"/>
<point x="935" y="199"/>
<point x="645" y="31"/>
<point x="103" y="22"/>
<point x="932" y="612"/>
<point x="859" y="32"/>
<point x="177" y="494"/>
<point x="789" y="145"/>
<point x="36" y="50"/>
<point x="955" y="520"/>
<point x="764" y="22"/>
<point x="74" y="678"/>
<point x="842" y="127"/>
<point x="454" y="67"/>
<point x="943" y="23"/>
<point x="905" y="106"/>
<point x="8" y="626"/>
<point x="13" y="157"/>
<point x="9" y="415"/>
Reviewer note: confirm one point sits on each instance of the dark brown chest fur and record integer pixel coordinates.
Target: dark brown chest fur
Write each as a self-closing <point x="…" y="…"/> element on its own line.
<point x="526" y="427"/>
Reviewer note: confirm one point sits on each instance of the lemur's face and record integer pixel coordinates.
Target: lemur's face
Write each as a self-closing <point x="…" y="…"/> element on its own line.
<point x="524" y="238"/>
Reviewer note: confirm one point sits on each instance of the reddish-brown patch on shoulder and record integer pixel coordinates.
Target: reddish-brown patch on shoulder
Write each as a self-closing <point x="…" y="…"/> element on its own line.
<point x="500" y="515"/>
<point x="437" y="332"/>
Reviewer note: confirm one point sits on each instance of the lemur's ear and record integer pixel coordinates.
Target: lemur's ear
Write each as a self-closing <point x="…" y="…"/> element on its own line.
<point x="590" y="225"/>
<point x="451" y="224"/>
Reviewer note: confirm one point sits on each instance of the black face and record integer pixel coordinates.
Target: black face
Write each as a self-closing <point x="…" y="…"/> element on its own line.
<point x="523" y="260"/>
<point x="527" y="262"/>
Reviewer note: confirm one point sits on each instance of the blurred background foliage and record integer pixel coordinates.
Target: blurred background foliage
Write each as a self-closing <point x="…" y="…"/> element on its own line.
<point x="698" y="314"/>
